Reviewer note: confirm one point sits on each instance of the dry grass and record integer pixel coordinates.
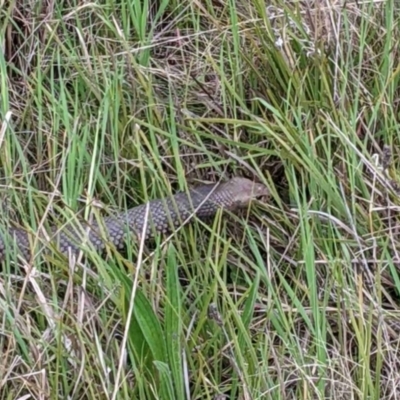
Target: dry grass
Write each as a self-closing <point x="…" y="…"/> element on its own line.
<point x="113" y="103"/>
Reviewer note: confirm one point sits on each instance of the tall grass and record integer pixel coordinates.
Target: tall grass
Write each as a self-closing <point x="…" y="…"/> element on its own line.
<point x="105" y="105"/>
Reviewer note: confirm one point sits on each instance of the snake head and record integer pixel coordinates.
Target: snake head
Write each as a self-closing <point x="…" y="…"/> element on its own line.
<point x="242" y="191"/>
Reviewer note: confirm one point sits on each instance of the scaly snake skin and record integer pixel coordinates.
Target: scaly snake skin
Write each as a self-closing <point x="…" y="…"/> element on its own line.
<point x="163" y="216"/>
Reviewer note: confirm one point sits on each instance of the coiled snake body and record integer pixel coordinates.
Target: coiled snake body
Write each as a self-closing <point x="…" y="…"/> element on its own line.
<point x="158" y="216"/>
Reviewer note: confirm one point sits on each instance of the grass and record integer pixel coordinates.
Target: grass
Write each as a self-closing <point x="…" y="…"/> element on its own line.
<point x="105" y="105"/>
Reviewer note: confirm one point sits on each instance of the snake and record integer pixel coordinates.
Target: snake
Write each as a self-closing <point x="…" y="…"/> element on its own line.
<point x="145" y="221"/>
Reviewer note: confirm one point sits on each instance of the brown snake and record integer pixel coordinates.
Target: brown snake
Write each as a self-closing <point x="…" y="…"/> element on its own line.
<point x="157" y="216"/>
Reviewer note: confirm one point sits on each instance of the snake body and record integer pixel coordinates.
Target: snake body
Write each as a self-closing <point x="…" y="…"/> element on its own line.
<point x="144" y="221"/>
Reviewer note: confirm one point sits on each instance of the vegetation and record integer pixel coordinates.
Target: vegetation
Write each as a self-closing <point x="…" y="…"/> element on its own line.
<point x="107" y="104"/>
